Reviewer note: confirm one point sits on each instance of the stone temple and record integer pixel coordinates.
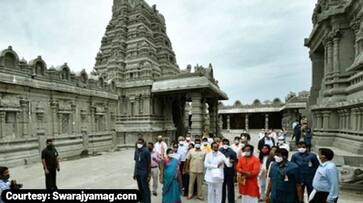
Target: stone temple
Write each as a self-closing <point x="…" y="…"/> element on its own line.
<point x="136" y="89"/>
<point x="264" y="115"/>
<point x="336" y="99"/>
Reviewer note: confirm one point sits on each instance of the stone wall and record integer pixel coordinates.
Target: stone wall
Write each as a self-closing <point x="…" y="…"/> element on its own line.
<point x="28" y="150"/>
<point x="37" y="102"/>
<point x="336" y="52"/>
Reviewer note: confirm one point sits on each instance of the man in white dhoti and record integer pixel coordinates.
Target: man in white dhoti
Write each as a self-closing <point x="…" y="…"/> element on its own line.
<point x="214" y="164"/>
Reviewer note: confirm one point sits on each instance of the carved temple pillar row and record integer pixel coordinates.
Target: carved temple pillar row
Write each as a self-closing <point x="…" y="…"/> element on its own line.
<point x="354" y="118"/>
<point x="228" y="122"/>
<point x="266" y="120"/>
<point x="213" y="111"/>
<point x="2" y="124"/>
<point x="326" y="115"/>
<point x="246" y="122"/>
<point x="197" y="114"/>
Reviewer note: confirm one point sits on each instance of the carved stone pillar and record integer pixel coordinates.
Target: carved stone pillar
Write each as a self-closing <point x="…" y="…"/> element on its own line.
<point x="330" y="56"/>
<point x="354" y="118"/>
<point x="220" y="125"/>
<point x="341" y="119"/>
<point x="55" y="121"/>
<point x="347" y="119"/>
<point x="2" y="123"/>
<point x="213" y="111"/>
<point x="266" y="121"/>
<point x="246" y="122"/>
<point x="24" y="117"/>
<point x="228" y="123"/>
<point x="197" y="114"/>
<point x="318" y="120"/>
<point x="361" y="118"/>
<point x="336" y="62"/>
<point x="326" y="115"/>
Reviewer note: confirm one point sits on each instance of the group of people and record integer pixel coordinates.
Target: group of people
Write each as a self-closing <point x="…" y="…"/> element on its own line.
<point x="266" y="174"/>
<point x="51" y="166"/>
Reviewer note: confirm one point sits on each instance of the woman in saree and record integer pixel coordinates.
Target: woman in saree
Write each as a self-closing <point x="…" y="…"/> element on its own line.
<point x="170" y="177"/>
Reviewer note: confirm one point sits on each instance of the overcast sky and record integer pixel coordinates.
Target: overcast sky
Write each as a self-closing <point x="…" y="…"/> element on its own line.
<point x="255" y="46"/>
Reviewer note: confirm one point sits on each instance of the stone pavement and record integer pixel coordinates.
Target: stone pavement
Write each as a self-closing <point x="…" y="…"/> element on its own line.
<point x="112" y="170"/>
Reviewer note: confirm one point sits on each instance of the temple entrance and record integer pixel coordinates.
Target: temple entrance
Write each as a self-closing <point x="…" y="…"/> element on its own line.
<point x="274" y="121"/>
<point x="237" y="121"/>
<point x="178" y="112"/>
<point x="256" y="121"/>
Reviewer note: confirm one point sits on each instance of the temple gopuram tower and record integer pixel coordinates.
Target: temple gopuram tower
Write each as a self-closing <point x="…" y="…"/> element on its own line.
<point x="136" y="54"/>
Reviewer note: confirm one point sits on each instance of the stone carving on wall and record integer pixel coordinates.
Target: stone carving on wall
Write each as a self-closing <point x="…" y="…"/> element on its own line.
<point x="351" y="177"/>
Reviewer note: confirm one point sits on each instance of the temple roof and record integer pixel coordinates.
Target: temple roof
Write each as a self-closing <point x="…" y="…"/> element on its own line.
<point x="187" y="84"/>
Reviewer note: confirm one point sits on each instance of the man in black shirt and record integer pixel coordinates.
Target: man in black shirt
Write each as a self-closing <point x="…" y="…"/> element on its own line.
<point x="50" y="165"/>
<point x="142" y="171"/>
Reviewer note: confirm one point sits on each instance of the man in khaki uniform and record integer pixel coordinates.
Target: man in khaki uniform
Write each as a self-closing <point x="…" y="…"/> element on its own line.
<point x="195" y="163"/>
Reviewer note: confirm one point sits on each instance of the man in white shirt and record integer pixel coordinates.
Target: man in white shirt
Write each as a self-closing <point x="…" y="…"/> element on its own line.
<point x="182" y="151"/>
<point x="237" y="147"/>
<point x="261" y="134"/>
<point x="161" y="147"/>
<point x="214" y="177"/>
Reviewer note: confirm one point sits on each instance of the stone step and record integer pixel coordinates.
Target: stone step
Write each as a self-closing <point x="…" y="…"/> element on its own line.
<point x="344" y="157"/>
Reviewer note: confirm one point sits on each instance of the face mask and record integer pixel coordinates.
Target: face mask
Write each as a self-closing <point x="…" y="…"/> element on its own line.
<point x="197" y="146"/>
<point x="281" y="142"/>
<point x="6" y="178"/>
<point x="247" y="154"/>
<point x="236" y="142"/>
<point x="171" y="156"/>
<point x="278" y="159"/>
<point x="140" y="146"/>
<point x="301" y="150"/>
<point x="225" y="146"/>
<point x="242" y="145"/>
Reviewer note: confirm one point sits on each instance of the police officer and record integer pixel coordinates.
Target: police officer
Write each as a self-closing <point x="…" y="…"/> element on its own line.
<point x="50" y="163"/>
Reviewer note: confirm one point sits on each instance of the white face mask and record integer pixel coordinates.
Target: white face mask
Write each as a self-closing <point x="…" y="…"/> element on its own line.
<point x="181" y="143"/>
<point x="171" y="156"/>
<point x="301" y="150"/>
<point x="140" y="146"/>
<point x="236" y="141"/>
<point x="197" y="146"/>
<point x="225" y="146"/>
<point x="278" y="159"/>
<point x="247" y="154"/>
